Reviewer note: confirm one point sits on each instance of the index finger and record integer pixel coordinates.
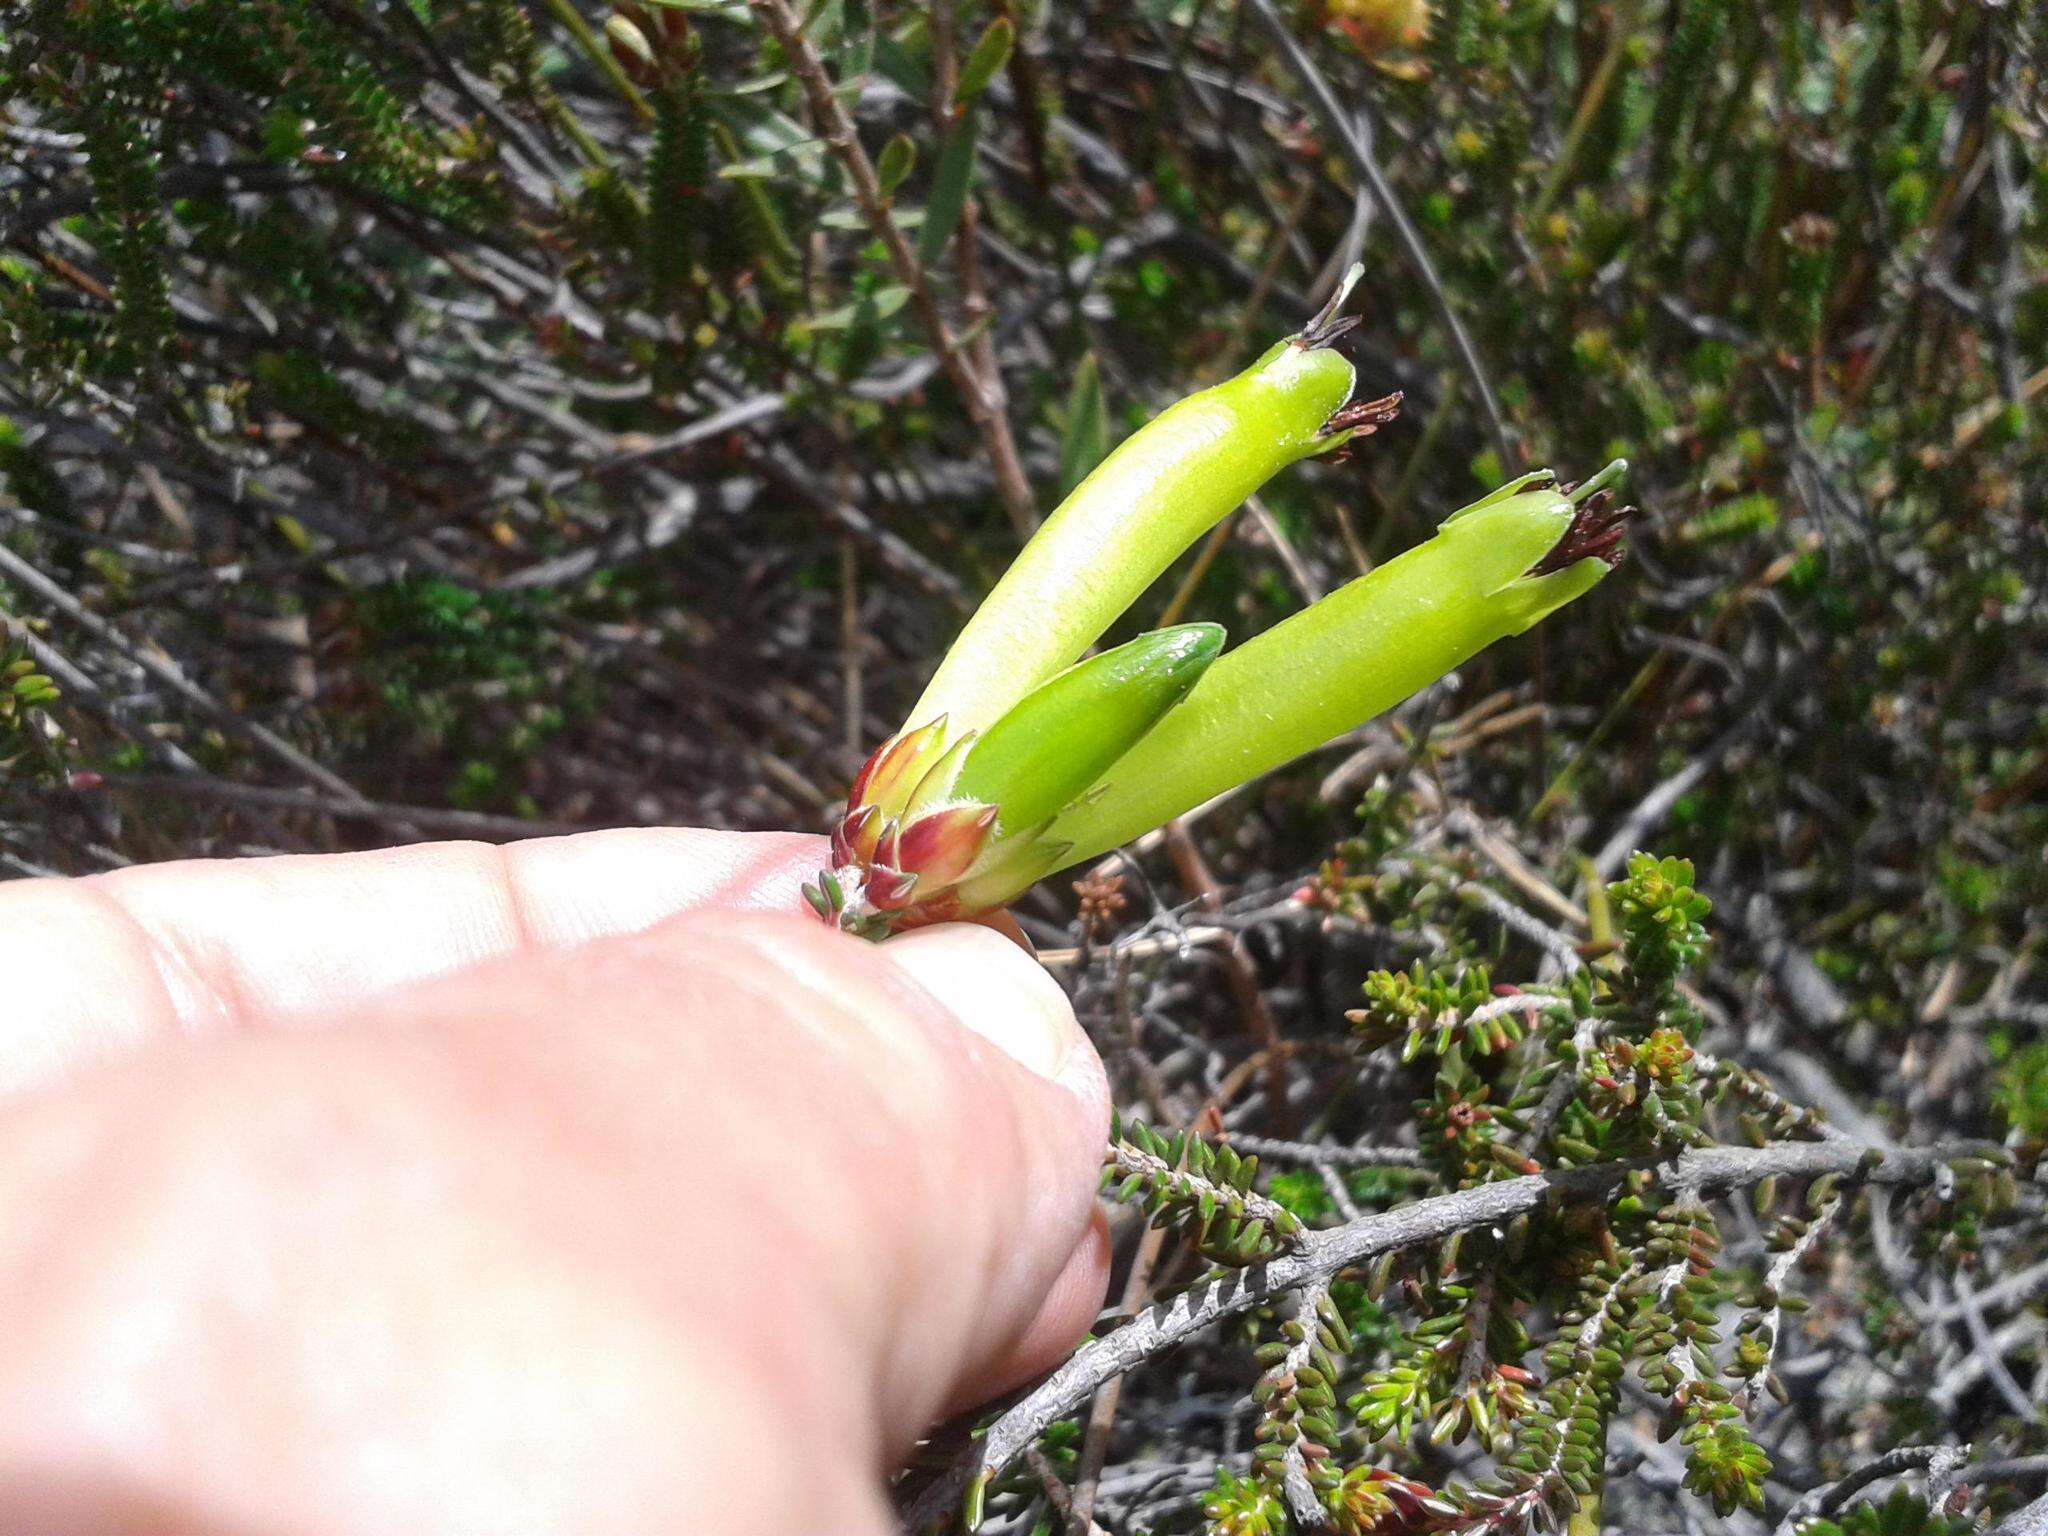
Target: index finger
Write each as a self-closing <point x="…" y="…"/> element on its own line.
<point x="105" y="964"/>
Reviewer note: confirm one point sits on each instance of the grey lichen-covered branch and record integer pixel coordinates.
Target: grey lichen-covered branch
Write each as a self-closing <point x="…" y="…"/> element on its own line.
<point x="1940" y="1462"/>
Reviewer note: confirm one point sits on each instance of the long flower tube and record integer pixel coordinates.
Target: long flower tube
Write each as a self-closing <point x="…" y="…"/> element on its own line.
<point x="943" y="824"/>
<point x="1160" y="490"/>
<point x="1492" y="570"/>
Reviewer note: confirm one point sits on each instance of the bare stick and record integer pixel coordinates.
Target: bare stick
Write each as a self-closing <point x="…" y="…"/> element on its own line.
<point x="1825" y="1500"/>
<point x="836" y="127"/>
<point x="168" y="673"/>
<point x="1329" y="1252"/>
<point x="2031" y="1521"/>
<point x="974" y="301"/>
<point x="1323" y="101"/>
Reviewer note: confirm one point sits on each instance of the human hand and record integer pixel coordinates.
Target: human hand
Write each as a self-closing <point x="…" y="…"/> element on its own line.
<point x="577" y="1186"/>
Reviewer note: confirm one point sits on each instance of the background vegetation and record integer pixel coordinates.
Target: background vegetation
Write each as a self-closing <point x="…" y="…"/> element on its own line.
<point x="466" y="417"/>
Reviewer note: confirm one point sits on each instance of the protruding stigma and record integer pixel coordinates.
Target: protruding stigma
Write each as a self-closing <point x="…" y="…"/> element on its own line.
<point x="1613" y="472"/>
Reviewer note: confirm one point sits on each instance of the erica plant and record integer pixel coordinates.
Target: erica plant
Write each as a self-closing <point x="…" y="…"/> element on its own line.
<point x="1586" y="1236"/>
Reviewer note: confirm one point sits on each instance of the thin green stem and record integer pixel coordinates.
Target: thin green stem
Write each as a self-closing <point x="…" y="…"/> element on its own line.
<point x="594" y="154"/>
<point x="1411" y="473"/>
<point x="599" y="53"/>
<point x="1561" y="785"/>
<point x="1620" y="31"/>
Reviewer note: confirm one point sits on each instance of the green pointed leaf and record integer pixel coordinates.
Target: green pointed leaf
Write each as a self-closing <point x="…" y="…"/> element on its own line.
<point x="897" y="160"/>
<point x="952" y="178"/>
<point x="989" y="54"/>
<point x="1085" y="443"/>
<point x="875" y="307"/>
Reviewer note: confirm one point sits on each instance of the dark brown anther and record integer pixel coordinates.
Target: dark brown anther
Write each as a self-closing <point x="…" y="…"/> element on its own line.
<point x="1597" y="531"/>
<point x="1328" y="332"/>
<point x="1362" y="418"/>
<point x="1325" y="328"/>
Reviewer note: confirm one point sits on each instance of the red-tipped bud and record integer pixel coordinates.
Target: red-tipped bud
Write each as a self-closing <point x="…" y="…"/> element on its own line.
<point x="889" y="890"/>
<point x="941" y="846"/>
<point x="888" y="778"/>
<point x="632" y="50"/>
<point x="854" y="839"/>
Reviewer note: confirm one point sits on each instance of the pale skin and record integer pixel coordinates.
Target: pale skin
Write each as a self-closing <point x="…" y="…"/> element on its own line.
<point x="581" y="1186"/>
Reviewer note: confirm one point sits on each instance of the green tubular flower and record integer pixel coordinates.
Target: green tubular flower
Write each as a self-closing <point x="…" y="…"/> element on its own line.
<point x="1163" y="488"/>
<point x="1053" y="746"/>
<point x="1020" y="760"/>
<point x="1493" y="569"/>
<point x="942" y="822"/>
<point x="941" y="825"/>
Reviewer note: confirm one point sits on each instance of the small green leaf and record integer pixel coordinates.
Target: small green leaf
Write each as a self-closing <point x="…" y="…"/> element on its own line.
<point x="1085" y="443"/>
<point x="897" y="160"/>
<point x="990" y="53"/>
<point x="952" y="178"/>
<point x="974" y="1503"/>
<point x="877" y="306"/>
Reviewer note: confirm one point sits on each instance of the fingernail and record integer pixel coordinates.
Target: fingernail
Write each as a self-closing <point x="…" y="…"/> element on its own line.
<point x="993" y="988"/>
